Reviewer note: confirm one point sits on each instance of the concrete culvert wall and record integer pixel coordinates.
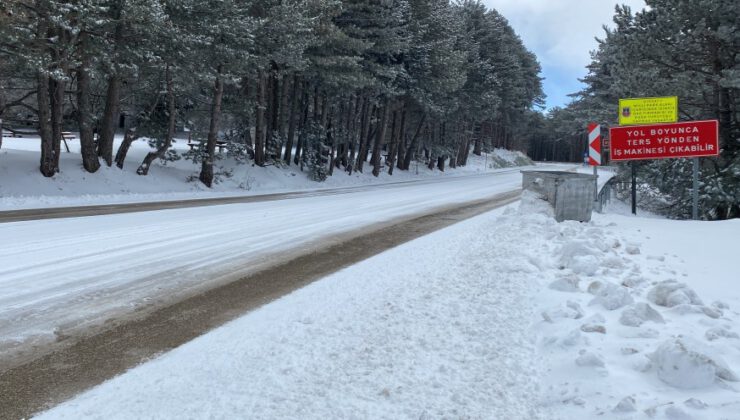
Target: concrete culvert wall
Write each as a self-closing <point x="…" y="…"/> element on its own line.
<point x="570" y="194"/>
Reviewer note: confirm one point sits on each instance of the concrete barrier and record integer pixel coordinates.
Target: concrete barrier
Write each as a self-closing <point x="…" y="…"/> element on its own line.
<point x="570" y="194"/>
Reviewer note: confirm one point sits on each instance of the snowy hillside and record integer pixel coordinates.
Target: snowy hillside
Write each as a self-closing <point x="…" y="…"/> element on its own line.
<point x="22" y="186"/>
<point x="513" y="316"/>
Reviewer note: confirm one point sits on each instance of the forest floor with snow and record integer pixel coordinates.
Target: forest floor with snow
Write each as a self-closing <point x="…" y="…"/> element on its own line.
<point x="507" y="315"/>
<point x="22" y="186"/>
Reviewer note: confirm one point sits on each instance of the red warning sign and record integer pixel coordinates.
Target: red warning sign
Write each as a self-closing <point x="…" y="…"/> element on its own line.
<point x="663" y="141"/>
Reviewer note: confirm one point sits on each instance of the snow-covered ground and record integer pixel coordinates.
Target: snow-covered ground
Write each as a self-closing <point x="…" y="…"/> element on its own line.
<point x="639" y="318"/>
<point x="509" y="315"/>
<point x="22" y="186"/>
<point x="59" y="276"/>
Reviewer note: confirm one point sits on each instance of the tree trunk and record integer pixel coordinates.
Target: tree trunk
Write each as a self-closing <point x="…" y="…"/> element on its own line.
<point x="47" y="168"/>
<point x="206" y="171"/>
<point x="143" y="169"/>
<point x="247" y="135"/>
<point x="300" y="145"/>
<point x="460" y="144"/>
<point x="365" y="137"/>
<point x="259" y="122"/>
<point x="466" y="148"/>
<point x="352" y="157"/>
<point x="441" y="163"/>
<point x="379" y="139"/>
<point x="128" y="138"/>
<point x="2" y="111"/>
<point x="56" y="88"/>
<point x="110" y="117"/>
<point x="330" y="140"/>
<point x="56" y="92"/>
<point x="324" y="110"/>
<point x="349" y="115"/>
<point x="349" y="158"/>
<point x="285" y="103"/>
<point x="433" y="141"/>
<point x="392" y="143"/>
<point x="272" y="141"/>
<point x="478" y="148"/>
<point x="412" y="145"/>
<point x="335" y="127"/>
<point x="269" y="108"/>
<point x="292" y="119"/>
<point x="113" y="96"/>
<point x="316" y="96"/>
<point x="84" y="110"/>
<point x="401" y="148"/>
<point x="395" y="143"/>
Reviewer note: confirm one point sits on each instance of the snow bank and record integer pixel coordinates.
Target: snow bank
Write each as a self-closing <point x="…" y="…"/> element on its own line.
<point x="22" y="186"/>
<point x="620" y="336"/>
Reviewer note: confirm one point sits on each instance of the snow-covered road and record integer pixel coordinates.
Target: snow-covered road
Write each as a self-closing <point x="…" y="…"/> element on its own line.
<point x="508" y="315"/>
<point x="57" y="276"/>
<point x="419" y="332"/>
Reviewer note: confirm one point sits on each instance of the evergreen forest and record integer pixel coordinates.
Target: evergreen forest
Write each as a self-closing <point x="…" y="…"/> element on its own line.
<point x="357" y="85"/>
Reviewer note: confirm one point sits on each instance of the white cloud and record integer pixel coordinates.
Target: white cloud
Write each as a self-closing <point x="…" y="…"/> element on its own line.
<point x="561" y="33"/>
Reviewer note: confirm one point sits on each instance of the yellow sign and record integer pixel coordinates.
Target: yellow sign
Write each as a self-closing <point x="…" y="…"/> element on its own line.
<point x="648" y="110"/>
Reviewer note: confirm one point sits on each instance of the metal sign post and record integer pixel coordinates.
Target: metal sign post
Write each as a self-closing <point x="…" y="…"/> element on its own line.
<point x="695" y="192"/>
<point x="634" y="187"/>
<point x="594" y="153"/>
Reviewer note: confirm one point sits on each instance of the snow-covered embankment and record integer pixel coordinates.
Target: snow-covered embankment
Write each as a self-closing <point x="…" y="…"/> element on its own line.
<point x="638" y="319"/>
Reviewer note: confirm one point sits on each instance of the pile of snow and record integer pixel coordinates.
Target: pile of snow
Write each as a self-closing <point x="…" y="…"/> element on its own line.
<point x="670" y="293"/>
<point x="502" y="158"/>
<point x="639" y="313"/>
<point x="687" y="363"/>
<point x="610" y="296"/>
<point x="621" y="336"/>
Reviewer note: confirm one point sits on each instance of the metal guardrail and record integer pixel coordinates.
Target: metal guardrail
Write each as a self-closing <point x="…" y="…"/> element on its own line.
<point x="606" y="193"/>
<point x="609" y="191"/>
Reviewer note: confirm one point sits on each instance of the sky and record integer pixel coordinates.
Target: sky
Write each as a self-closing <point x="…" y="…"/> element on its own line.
<point x="561" y="33"/>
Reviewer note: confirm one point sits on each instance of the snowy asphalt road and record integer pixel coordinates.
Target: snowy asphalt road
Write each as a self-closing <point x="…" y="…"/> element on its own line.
<point x="100" y="210"/>
<point x="54" y="377"/>
<point x="60" y="277"/>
